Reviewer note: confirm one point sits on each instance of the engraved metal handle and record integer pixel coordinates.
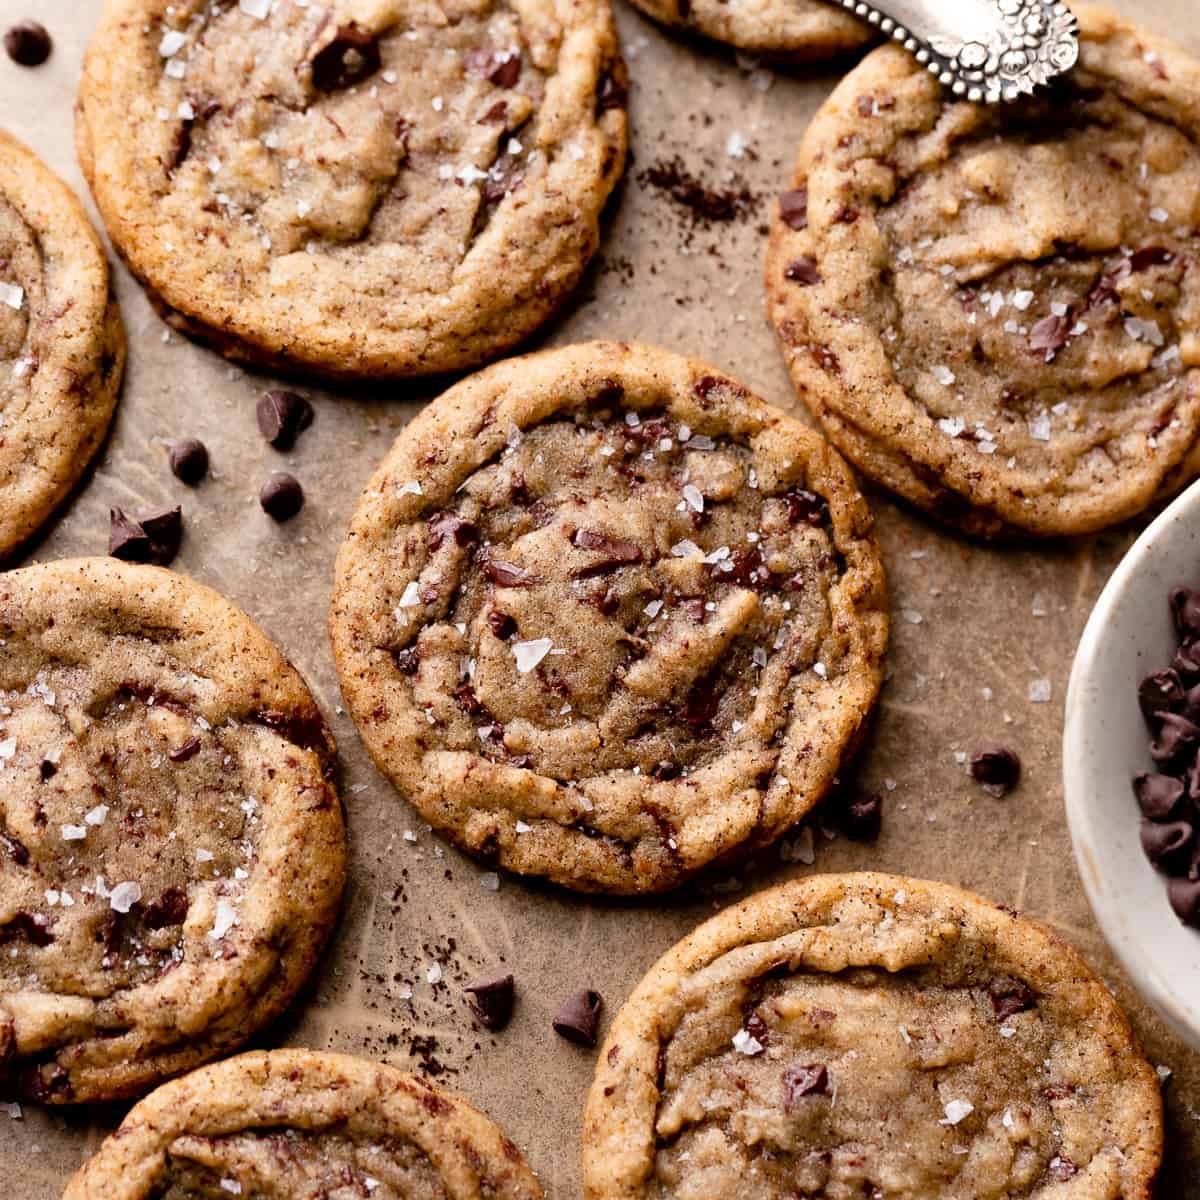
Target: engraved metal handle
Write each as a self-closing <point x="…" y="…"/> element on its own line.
<point x="983" y="50"/>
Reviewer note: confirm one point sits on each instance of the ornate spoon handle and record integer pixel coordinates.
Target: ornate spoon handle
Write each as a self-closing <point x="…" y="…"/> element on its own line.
<point x="983" y="50"/>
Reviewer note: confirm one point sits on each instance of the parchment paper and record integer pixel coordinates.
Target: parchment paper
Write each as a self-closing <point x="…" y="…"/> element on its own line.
<point x="988" y="618"/>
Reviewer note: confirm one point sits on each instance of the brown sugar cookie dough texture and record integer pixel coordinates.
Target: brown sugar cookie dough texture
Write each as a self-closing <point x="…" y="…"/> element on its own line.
<point x="855" y="1036"/>
<point x="604" y="616"/>
<point x="306" y="1126"/>
<point x="795" y="30"/>
<point x="62" y="346"/>
<point x="355" y="188"/>
<point x="171" y="847"/>
<point x="995" y="311"/>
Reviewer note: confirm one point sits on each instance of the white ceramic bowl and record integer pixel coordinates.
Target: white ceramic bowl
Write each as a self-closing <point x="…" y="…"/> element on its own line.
<point x="1130" y="634"/>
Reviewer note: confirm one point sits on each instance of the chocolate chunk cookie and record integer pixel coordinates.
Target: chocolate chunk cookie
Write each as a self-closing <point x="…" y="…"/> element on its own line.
<point x="62" y="345"/>
<point x="303" y="1125"/>
<point x="604" y="616"/>
<point x="171" y="847"/>
<point x="865" y="1035"/>
<point x="995" y="311"/>
<point x="790" y="30"/>
<point x="355" y="190"/>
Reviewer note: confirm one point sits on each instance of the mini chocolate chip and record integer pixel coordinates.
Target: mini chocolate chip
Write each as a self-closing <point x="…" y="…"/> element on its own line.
<point x="350" y="56"/>
<point x="1185" y="604"/>
<point x="153" y="538"/>
<point x="502" y="625"/>
<point x="997" y="768"/>
<point x="1159" y="692"/>
<point x="804" y="271"/>
<point x="281" y="497"/>
<point x="47" y="770"/>
<point x="800" y="1081"/>
<point x="282" y="417"/>
<point x="793" y="208"/>
<point x="579" y="1018"/>
<point x="28" y="44"/>
<point x="1011" y="996"/>
<point x="492" y="1000"/>
<point x="189" y="749"/>
<point x="1184" y="895"/>
<point x="1167" y="846"/>
<point x="189" y="460"/>
<point x="1177" y="738"/>
<point x="1158" y="796"/>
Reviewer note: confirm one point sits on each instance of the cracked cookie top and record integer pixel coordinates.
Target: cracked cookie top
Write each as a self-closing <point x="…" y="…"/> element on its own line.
<point x="867" y="1036"/>
<point x="171" y="847"/>
<point x="604" y="616"/>
<point x="62" y="346"/>
<point x="357" y="187"/>
<point x="994" y="311"/>
<point x="307" y="1126"/>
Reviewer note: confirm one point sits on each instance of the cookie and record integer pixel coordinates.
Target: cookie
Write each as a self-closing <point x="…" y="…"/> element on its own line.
<point x="352" y="190"/>
<point x="867" y="1035"/>
<point x="605" y="617"/>
<point x="300" y="1124"/>
<point x="171" y="846"/>
<point x="994" y="311"/>
<point x="62" y="345"/>
<point x="790" y="30"/>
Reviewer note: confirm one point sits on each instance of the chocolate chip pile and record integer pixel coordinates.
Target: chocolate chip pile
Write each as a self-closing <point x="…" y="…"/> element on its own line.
<point x="1169" y="797"/>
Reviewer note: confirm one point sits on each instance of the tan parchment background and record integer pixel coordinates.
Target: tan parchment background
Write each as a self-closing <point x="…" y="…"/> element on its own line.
<point x="987" y="619"/>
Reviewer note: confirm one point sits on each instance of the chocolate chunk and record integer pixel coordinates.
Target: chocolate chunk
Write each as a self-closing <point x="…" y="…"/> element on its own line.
<point x="1049" y="336"/>
<point x="189" y="460"/>
<point x="1159" y="692"/>
<point x="793" y="208"/>
<point x="1186" y="663"/>
<point x="1168" y="846"/>
<point x="507" y="574"/>
<point x="282" y="417"/>
<point x="281" y="496"/>
<point x="170" y="909"/>
<point x="757" y="1028"/>
<point x="805" y="506"/>
<point x="446" y="524"/>
<point x="1062" y="1169"/>
<point x="997" y="768"/>
<point x="492" y="1000"/>
<point x="33" y="928"/>
<point x="800" y="1081"/>
<point x="47" y="770"/>
<point x="153" y="538"/>
<point x="614" y="552"/>
<point x="501" y="67"/>
<point x="189" y="749"/>
<point x="1158" y="796"/>
<point x="1150" y="256"/>
<point x="611" y="93"/>
<point x="1185" y="604"/>
<point x="502" y="625"/>
<point x="351" y="55"/>
<point x="1184" y="895"/>
<point x="804" y="271"/>
<point x="15" y="849"/>
<point x="28" y="44"/>
<point x="1011" y="996"/>
<point x="1177" y="738"/>
<point x="579" y="1018"/>
<point x="408" y="660"/>
<point x="858" y="815"/>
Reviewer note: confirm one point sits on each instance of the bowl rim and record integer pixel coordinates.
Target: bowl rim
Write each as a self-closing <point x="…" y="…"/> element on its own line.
<point x="1143" y="969"/>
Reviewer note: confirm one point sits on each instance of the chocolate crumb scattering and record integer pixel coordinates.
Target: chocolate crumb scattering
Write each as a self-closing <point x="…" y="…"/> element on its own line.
<point x="706" y="205"/>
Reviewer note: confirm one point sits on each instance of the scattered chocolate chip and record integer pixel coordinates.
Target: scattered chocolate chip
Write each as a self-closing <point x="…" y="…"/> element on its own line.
<point x="858" y="815"/>
<point x="1011" y="996"/>
<point x="997" y="768"/>
<point x="1167" y="846"/>
<point x="188" y="750"/>
<point x="1185" y="604"/>
<point x="502" y="625"/>
<point x="28" y="44"/>
<point x="804" y="271"/>
<point x="507" y="574"/>
<point x="1184" y="895"/>
<point x="800" y="1081"/>
<point x="189" y="460"/>
<point x="1158" y="796"/>
<point x="281" y="496"/>
<point x="492" y="1000"/>
<point x="1186" y="663"/>
<point x="793" y="208"/>
<point x="1159" y="692"/>
<point x="579" y="1018"/>
<point x="350" y="56"/>
<point x="1177" y="738"/>
<point x="282" y="417"/>
<point x="152" y="538"/>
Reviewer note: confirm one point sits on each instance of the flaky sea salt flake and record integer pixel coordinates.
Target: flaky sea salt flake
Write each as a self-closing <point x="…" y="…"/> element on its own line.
<point x="529" y="654"/>
<point x="124" y="896"/>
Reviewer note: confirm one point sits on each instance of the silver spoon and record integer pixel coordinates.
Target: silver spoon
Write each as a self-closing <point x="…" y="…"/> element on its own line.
<point x="982" y="50"/>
